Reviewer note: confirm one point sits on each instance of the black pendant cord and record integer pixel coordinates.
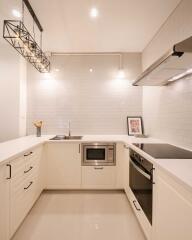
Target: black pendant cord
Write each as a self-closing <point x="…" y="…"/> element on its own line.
<point x="41" y="40"/>
<point x="23" y="9"/>
<point x="31" y="11"/>
<point x="33" y="29"/>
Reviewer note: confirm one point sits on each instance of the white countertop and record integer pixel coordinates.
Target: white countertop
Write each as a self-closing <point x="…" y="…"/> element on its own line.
<point x="15" y="147"/>
<point x="180" y="169"/>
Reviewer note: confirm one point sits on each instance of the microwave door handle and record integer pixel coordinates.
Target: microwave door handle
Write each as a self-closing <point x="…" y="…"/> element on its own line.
<point x="140" y="170"/>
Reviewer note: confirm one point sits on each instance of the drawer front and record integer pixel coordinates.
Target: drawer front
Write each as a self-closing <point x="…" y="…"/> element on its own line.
<point x="16" y="205"/>
<point x="99" y="177"/>
<point x="146" y="226"/>
<point x="17" y="168"/>
<point x="22" y="199"/>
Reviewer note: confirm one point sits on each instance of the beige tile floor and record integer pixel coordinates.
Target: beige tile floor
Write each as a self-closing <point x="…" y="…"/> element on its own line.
<point x="79" y="215"/>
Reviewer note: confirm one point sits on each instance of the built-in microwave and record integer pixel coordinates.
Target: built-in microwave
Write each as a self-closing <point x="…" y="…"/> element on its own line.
<point x="98" y="154"/>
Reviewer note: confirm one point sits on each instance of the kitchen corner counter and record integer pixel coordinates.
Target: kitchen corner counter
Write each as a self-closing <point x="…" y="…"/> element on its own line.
<point x="180" y="169"/>
<point x="13" y="148"/>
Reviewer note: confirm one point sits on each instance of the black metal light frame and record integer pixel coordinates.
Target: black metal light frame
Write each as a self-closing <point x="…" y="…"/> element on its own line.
<point x="17" y="35"/>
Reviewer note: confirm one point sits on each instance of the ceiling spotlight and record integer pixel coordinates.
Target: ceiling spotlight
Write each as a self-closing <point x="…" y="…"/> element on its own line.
<point x="16" y="13"/>
<point x="94" y="12"/>
<point x="57" y="70"/>
<point x="91" y="70"/>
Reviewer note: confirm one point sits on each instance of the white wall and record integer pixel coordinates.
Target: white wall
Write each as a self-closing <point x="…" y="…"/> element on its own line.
<point x="167" y="110"/>
<point x="12" y="84"/>
<point x="96" y="103"/>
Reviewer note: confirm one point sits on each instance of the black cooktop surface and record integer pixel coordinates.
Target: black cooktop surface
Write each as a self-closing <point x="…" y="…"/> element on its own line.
<point x="158" y="150"/>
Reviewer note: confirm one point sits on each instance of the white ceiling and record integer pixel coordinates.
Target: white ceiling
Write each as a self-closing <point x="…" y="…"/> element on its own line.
<point x="122" y="25"/>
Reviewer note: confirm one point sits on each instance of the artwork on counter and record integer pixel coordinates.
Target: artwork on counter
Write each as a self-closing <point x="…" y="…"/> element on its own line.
<point x="134" y="126"/>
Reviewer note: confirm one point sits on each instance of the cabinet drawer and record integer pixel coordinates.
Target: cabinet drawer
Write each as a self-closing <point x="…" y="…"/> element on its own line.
<point x="18" y="168"/>
<point x="146" y="226"/>
<point x="22" y="199"/>
<point x="99" y="176"/>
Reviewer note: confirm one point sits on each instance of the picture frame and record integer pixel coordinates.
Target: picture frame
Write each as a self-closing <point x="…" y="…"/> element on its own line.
<point x="134" y="125"/>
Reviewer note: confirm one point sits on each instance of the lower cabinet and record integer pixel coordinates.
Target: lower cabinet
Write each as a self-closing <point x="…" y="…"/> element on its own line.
<point x="98" y="177"/>
<point x="4" y="201"/>
<point x="63" y="165"/>
<point x="172" y="209"/>
<point x="25" y="186"/>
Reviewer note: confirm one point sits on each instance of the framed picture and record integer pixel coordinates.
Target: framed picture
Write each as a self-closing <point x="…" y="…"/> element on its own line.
<point x="134" y="126"/>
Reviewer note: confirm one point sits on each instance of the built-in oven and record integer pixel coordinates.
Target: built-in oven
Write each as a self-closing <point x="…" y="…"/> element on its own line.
<point x="141" y="182"/>
<point x="98" y="154"/>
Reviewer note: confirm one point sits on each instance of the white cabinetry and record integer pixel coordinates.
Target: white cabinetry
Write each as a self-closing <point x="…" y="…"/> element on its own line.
<point x="25" y="186"/>
<point x="98" y="177"/>
<point x="4" y="202"/>
<point x="105" y="177"/>
<point x="172" y="209"/>
<point x="63" y="165"/>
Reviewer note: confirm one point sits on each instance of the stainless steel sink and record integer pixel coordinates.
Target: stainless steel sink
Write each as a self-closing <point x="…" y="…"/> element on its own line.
<point x="63" y="137"/>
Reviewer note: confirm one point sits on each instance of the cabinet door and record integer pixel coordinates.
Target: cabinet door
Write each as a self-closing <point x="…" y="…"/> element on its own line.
<point x="172" y="211"/>
<point x="4" y="203"/>
<point x="63" y="168"/>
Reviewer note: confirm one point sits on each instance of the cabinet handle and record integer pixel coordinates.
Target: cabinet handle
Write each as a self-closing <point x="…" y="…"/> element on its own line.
<point x="25" y="188"/>
<point x="10" y="171"/>
<point x="79" y="148"/>
<point x="138" y="209"/>
<point x="28" y="154"/>
<point x="28" y="170"/>
<point x="151" y="171"/>
<point x="98" y="168"/>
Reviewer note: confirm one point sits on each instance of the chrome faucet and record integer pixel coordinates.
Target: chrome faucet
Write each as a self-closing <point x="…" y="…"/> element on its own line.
<point x="69" y="129"/>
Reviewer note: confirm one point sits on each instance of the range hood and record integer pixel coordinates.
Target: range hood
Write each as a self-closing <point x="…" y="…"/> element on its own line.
<point x="174" y="65"/>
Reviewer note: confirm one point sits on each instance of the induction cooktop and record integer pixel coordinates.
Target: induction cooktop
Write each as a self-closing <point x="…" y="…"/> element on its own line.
<point x="158" y="150"/>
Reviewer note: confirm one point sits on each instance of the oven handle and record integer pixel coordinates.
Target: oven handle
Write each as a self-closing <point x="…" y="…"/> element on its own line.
<point x="140" y="170"/>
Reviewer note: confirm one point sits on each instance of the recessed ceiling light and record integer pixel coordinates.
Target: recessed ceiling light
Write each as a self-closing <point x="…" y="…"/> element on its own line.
<point x="57" y="70"/>
<point x="94" y="12"/>
<point x="16" y="13"/>
<point x="91" y="70"/>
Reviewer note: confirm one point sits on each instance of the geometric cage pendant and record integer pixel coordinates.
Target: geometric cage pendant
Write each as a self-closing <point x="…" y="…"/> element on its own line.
<point x="19" y="37"/>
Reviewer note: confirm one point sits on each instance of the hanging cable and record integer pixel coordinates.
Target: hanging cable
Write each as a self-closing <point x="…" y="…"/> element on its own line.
<point x="33" y="28"/>
<point x="23" y="8"/>
<point x="41" y="39"/>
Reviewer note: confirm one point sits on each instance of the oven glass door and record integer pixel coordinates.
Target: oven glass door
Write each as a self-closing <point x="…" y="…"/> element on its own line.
<point x="142" y="187"/>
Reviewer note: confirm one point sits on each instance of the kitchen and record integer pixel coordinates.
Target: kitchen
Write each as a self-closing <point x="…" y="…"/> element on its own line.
<point x="100" y="71"/>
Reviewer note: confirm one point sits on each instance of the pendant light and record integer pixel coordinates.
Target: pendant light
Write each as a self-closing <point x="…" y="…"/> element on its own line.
<point x="15" y="32"/>
<point x="121" y="72"/>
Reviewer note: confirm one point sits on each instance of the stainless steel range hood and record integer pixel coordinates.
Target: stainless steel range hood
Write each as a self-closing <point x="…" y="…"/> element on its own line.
<point x="174" y="65"/>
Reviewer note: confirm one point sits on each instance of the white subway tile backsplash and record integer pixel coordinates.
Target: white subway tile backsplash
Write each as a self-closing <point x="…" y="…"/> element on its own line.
<point x="95" y="103"/>
<point x="167" y="112"/>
